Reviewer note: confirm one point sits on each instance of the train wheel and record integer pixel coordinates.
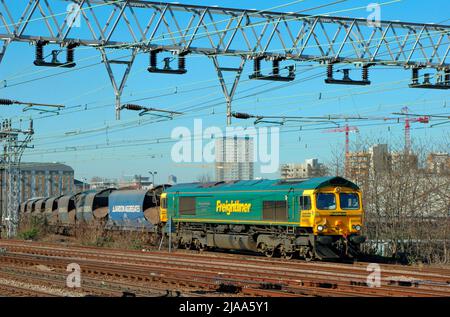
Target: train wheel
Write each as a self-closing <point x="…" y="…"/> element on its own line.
<point x="269" y="253"/>
<point x="187" y="245"/>
<point x="309" y="256"/>
<point x="199" y="246"/>
<point x="285" y="254"/>
<point x="176" y="244"/>
<point x="288" y="255"/>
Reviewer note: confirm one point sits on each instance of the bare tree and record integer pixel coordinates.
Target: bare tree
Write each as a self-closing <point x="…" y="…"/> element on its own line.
<point x="335" y="166"/>
<point x="406" y="203"/>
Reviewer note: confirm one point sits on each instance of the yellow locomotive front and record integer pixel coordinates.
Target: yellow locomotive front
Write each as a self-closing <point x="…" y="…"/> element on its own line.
<point x="335" y="216"/>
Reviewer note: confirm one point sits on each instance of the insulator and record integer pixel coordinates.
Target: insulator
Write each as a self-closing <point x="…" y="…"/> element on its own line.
<point x="240" y="115"/>
<point x="257" y="66"/>
<point x="181" y="62"/>
<point x="153" y="61"/>
<point x="426" y="78"/>
<point x="415" y="75"/>
<point x="70" y="53"/>
<point x="6" y="102"/>
<point x="330" y="71"/>
<point x="133" y="107"/>
<point x="365" y="73"/>
<point x="40" y="51"/>
<point x="447" y="77"/>
<point x="276" y="67"/>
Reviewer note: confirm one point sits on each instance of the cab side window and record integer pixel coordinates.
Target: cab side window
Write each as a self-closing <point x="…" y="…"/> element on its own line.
<point x="164" y="203"/>
<point x="305" y="202"/>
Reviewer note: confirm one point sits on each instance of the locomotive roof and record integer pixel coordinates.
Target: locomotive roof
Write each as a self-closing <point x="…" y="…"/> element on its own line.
<point x="263" y="184"/>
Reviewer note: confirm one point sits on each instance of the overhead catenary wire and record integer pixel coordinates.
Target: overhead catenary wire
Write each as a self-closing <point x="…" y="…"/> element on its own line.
<point x="47" y="116"/>
<point x="140" y="123"/>
<point x="161" y="152"/>
<point x="150" y="97"/>
<point x="161" y="36"/>
<point x="160" y="139"/>
<point x="163" y="140"/>
<point x="251" y="25"/>
<point x="52" y="75"/>
<point x="125" y="126"/>
<point x="114" y="2"/>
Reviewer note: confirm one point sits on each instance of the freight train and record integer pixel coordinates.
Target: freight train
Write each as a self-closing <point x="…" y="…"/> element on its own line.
<point x="316" y="218"/>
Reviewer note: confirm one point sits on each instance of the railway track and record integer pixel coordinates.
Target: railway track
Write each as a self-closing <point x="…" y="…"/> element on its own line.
<point x="91" y="287"/>
<point x="16" y="291"/>
<point x="215" y="274"/>
<point x="418" y="275"/>
<point x="17" y="288"/>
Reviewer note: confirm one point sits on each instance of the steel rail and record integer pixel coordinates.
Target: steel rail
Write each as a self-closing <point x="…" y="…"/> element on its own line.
<point x="237" y="271"/>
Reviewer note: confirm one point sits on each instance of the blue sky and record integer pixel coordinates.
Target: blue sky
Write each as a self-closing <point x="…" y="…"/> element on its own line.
<point x="90" y="89"/>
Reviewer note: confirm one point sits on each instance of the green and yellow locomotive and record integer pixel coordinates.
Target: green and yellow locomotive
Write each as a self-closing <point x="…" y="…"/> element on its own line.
<point x="314" y="218"/>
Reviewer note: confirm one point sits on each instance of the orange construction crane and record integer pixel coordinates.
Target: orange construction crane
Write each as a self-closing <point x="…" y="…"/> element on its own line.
<point x="408" y="121"/>
<point x="347" y="129"/>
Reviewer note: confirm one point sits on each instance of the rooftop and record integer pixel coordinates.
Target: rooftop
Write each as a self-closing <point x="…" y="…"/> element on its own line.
<point x="39" y="166"/>
<point x="263" y="184"/>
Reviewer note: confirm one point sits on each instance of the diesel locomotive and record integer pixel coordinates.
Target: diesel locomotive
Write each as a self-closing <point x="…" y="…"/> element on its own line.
<point x="316" y="218"/>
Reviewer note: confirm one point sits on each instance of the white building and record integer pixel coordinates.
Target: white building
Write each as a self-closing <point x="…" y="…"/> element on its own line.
<point x="307" y="169"/>
<point x="234" y="158"/>
<point x="172" y="180"/>
<point x="99" y="183"/>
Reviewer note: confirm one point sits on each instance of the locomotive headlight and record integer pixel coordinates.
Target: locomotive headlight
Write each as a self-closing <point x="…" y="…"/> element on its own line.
<point x="320" y="228"/>
<point x="357" y="227"/>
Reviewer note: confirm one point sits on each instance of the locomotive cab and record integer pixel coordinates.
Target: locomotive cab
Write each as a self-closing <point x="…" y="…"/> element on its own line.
<point x="338" y="211"/>
<point x="337" y="218"/>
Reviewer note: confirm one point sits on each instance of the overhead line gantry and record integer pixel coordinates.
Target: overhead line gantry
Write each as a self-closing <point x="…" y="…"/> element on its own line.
<point x="155" y="27"/>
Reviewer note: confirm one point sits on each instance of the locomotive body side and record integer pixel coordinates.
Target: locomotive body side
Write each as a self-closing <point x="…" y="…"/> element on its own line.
<point x="315" y="218"/>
